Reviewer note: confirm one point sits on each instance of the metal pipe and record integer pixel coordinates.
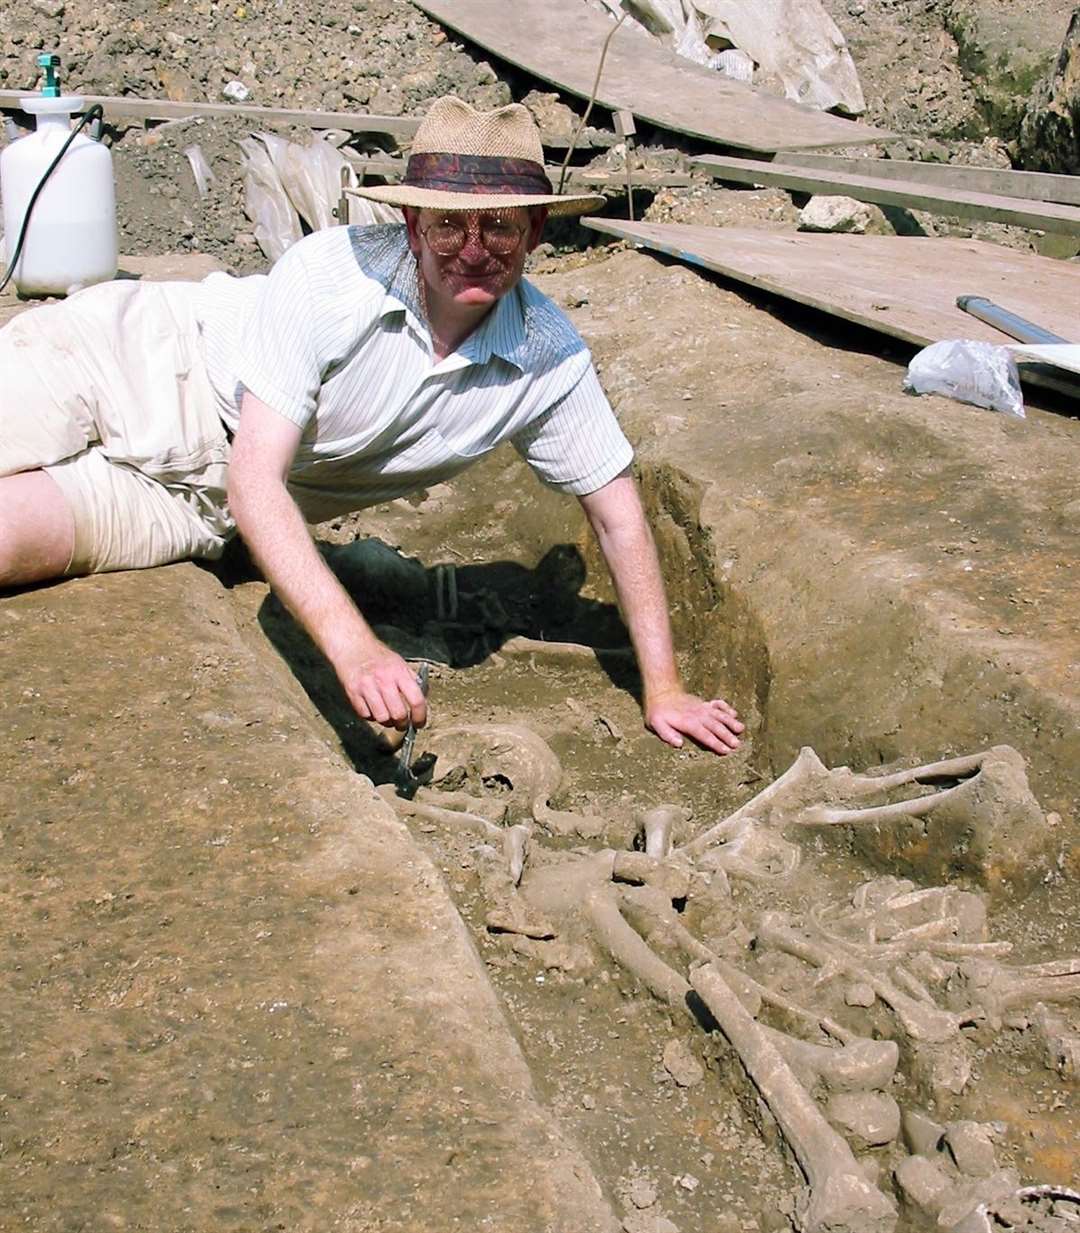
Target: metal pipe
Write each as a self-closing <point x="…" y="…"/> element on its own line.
<point x="1008" y="323"/>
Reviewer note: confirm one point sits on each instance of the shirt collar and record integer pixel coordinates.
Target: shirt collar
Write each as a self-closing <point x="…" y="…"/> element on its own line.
<point x="501" y="333"/>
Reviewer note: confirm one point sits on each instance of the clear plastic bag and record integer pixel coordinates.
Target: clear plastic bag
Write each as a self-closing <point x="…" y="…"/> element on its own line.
<point x="288" y="186"/>
<point x="974" y="372"/>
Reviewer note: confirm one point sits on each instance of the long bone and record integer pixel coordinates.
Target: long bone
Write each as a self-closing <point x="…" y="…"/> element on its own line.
<point x="514" y="840"/>
<point x="799" y="790"/>
<point x="997" y="988"/>
<point x="454" y="819"/>
<point x="655" y="918"/>
<point x="917" y="807"/>
<point x="920" y="1021"/>
<point x="854" y="785"/>
<point x="910" y="941"/>
<point x="657" y="826"/>
<point x="805" y="774"/>
<point x="492" y="808"/>
<point x="749" y="842"/>
<point x="840" y="1199"/>
<point x="862" y="1065"/>
<point x="627" y="947"/>
<point x="857" y="1065"/>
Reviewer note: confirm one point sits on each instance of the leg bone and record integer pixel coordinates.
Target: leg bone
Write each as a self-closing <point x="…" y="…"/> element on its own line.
<point x="840" y="1199"/>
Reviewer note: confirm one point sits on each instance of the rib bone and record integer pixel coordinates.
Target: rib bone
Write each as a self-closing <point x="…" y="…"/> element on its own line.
<point x="920" y="1021"/>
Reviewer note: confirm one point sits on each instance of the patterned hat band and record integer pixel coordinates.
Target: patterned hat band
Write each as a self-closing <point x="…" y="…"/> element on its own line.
<point x="477" y="173"/>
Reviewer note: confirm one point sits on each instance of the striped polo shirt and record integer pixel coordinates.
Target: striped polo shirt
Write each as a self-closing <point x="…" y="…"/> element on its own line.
<point x="335" y="340"/>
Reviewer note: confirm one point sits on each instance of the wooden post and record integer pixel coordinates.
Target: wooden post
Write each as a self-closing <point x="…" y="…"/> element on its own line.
<point x="626" y="128"/>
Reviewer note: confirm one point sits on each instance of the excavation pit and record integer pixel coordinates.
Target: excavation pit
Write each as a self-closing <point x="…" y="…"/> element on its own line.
<point x="232" y="969"/>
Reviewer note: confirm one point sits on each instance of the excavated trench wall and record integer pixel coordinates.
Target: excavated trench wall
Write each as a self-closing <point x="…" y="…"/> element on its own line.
<point x="815" y="647"/>
<point x="859" y="672"/>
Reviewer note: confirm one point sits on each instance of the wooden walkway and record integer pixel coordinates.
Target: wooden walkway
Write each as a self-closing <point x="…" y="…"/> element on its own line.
<point x="1001" y="182"/>
<point x="561" y="41"/>
<point x="1040" y="216"/>
<point x="902" y="286"/>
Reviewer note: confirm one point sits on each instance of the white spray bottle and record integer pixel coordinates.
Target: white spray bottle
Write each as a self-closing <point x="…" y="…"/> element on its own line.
<point x="70" y="238"/>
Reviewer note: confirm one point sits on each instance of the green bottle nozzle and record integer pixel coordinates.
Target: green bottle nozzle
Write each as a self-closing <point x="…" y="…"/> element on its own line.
<point x="50" y="62"/>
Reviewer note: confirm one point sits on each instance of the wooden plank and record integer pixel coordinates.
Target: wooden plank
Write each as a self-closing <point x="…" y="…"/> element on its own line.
<point x="1026" y="185"/>
<point x="1049" y="217"/>
<point x="903" y="286"/>
<point x="128" y="108"/>
<point x="561" y="41"/>
<point x="1061" y="355"/>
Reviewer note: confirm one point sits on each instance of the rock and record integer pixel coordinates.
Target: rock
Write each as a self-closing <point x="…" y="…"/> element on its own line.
<point x="488" y="97"/>
<point x="922" y="1136"/>
<point x="944" y="1069"/>
<point x="681" y="1064"/>
<point x="387" y="102"/>
<point x="859" y="995"/>
<point x="1050" y="130"/>
<point x="865" y="1119"/>
<point x="835" y="214"/>
<point x="647" y="1222"/>
<point x="1061" y="1046"/>
<point x="48" y="8"/>
<point x="967" y="1196"/>
<point x="969" y="1145"/>
<point x="551" y="114"/>
<point x="1002" y="55"/>
<point x="177" y="85"/>
<point x="642" y="1193"/>
<point x="689" y="1182"/>
<point x="235" y="92"/>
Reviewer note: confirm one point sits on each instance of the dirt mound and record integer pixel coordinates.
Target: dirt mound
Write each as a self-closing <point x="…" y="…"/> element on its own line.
<point x="382" y="55"/>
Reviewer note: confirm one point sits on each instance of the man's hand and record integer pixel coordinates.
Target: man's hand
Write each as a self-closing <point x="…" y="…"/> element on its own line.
<point x="618" y="519"/>
<point x="712" y="724"/>
<point x="379" y="683"/>
<point x="382" y="687"/>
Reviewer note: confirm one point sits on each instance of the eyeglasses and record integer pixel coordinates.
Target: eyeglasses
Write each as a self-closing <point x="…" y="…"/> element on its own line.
<point x="448" y="236"/>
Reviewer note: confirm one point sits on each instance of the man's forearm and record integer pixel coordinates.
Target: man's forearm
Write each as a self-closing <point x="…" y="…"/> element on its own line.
<point x="635" y="571"/>
<point x="275" y="532"/>
<point x="630" y="553"/>
<point x="618" y="519"/>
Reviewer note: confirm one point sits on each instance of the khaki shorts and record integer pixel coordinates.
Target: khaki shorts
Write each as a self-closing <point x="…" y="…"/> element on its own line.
<point x="108" y="394"/>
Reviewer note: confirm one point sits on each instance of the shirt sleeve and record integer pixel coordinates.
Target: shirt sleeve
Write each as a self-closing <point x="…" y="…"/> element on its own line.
<point x="278" y="358"/>
<point x="577" y="445"/>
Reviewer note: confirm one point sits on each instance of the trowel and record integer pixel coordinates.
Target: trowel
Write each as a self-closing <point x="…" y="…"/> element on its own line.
<point x="407" y="778"/>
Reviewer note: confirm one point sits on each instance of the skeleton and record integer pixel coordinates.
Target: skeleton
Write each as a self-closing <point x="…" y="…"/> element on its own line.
<point x="924" y="954"/>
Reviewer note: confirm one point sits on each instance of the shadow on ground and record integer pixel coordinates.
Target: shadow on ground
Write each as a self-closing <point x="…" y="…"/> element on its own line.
<point x="459" y="616"/>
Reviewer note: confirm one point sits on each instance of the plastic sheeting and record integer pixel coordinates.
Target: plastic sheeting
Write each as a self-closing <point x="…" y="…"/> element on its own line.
<point x="796" y="48"/>
<point x="290" y="187"/>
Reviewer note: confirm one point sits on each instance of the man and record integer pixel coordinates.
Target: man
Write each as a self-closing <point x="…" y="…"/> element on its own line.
<point x="144" y="424"/>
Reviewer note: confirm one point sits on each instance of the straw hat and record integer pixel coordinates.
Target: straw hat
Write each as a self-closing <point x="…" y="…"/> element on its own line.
<point x="464" y="159"/>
